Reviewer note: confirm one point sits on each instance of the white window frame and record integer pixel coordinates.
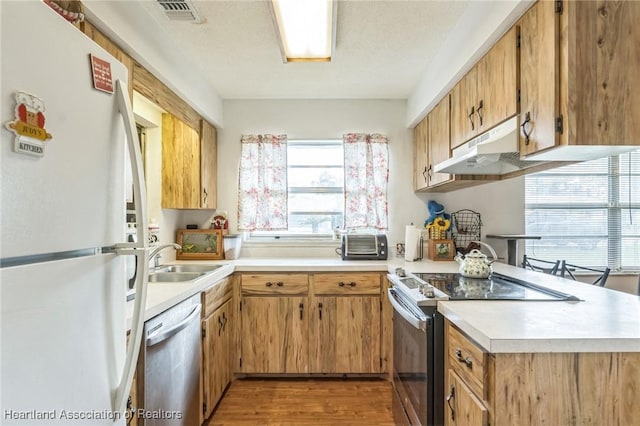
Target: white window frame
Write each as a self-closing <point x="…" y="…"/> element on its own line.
<point x="283" y="237"/>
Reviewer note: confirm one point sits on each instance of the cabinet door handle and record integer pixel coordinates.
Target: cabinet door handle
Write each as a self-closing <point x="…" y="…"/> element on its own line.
<point x="352" y="284"/>
<point x="430" y="174"/>
<point x="269" y="284"/>
<point x="479" y="112"/>
<point x="279" y="283"/>
<point x="452" y="395"/>
<point x="320" y="310"/>
<point x="204" y="201"/>
<point x="525" y="132"/>
<point x="468" y="361"/>
<point x="424" y="174"/>
<point x="341" y="284"/>
<point x="470" y="117"/>
<point x="301" y="306"/>
<point x="220" y="326"/>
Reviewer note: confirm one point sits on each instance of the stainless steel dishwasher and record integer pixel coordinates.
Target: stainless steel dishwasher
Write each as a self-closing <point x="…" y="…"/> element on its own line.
<point x="170" y="367"/>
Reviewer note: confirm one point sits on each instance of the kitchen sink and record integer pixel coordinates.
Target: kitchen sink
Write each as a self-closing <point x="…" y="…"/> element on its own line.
<point x="188" y="268"/>
<point x="173" y="277"/>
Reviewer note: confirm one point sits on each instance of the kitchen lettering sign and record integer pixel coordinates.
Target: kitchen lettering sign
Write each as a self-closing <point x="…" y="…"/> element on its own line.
<point x="28" y="125"/>
<point x="101" y="71"/>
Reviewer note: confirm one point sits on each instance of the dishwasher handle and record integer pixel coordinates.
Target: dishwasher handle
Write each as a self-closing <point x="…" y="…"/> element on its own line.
<point x="162" y="335"/>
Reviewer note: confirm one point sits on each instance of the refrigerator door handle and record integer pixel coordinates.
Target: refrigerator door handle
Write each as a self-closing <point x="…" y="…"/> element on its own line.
<point x="142" y="254"/>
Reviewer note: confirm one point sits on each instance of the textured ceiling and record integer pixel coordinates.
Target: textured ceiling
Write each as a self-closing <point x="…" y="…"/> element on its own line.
<point x="382" y="49"/>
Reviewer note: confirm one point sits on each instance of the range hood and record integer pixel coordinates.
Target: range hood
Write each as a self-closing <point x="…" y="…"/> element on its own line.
<point x="494" y="152"/>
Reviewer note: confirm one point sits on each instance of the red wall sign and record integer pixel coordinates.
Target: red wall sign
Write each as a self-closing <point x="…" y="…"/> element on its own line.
<point x="101" y="70"/>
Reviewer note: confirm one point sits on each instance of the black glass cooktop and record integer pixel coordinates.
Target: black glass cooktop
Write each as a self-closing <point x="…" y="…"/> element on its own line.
<point x="496" y="287"/>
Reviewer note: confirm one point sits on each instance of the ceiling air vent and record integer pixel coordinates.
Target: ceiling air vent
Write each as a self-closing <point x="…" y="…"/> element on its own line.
<point x="180" y="10"/>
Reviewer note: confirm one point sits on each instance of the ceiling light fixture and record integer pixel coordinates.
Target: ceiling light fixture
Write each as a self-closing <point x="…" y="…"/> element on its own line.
<point x="306" y="29"/>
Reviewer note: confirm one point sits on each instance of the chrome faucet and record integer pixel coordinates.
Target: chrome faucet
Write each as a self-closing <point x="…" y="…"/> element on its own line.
<point x="155" y="253"/>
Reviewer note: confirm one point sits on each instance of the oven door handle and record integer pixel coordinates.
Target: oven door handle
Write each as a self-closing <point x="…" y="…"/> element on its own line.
<point x="410" y="317"/>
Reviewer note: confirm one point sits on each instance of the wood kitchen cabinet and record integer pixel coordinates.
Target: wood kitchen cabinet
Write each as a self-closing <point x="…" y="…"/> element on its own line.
<point x="345" y="325"/>
<point x="466" y="381"/>
<point x="274" y="323"/>
<point x="217" y="343"/>
<point x="208" y="165"/>
<point x="551" y="388"/>
<point x="439" y="140"/>
<point x="318" y="323"/>
<point x="189" y="163"/>
<point x="488" y="94"/>
<point x="579" y="97"/>
<point x="421" y="155"/>
<point x="431" y="146"/>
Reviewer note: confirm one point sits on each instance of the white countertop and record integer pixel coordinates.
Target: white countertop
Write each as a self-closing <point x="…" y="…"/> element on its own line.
<point x="606" y="321"/>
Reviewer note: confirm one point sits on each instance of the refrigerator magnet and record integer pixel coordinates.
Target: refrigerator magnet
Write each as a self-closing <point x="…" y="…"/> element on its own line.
<point x="28" y="125"/>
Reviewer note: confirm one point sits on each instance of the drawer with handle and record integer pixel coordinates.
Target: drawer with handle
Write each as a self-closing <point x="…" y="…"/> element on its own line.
<point x="274" y="284"/>
<point x="349" y="283"/>
<point x="467" y="360"/>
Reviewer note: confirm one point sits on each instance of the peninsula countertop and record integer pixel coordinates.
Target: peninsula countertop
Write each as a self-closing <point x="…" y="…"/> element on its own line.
<point x="604" y="321"/>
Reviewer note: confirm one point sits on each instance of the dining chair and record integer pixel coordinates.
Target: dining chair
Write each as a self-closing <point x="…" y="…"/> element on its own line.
<point x="567" y="270"/>
<point x="541" y="265"/>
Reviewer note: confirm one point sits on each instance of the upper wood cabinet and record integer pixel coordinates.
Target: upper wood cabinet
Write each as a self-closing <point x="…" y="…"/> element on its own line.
<point x="421" y="155"/>
<point x="189" y="165"/>
<point x="180" y="164"/>
<point x="431" y="145"/>
<point x="488" y="94"/>
<point x="439" y="139"/>
<point x="579" y="97"/>
<point x="208" y="165"/>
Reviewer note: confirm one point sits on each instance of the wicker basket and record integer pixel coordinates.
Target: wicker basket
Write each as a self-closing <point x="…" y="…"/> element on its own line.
<point x="436" y="234"/>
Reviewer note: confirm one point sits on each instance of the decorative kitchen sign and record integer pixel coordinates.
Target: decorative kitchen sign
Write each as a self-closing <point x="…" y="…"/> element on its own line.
<point x="199" y="244"/>
<point x="29" y="125"/>
<point x="101" y="70"/>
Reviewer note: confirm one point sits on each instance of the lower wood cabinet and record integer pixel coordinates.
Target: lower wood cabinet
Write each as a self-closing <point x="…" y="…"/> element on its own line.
<point x="217" y="343"/>
<point x="464" y="407"/>
<point x="345" y="325"/>
<point x="315" y="323"/>
<point x="273" y="335"/>
<point x="274" y="322"/>
<point x="547" y="388"/>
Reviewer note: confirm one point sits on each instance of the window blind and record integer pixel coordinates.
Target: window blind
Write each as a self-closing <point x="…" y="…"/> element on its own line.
<point x="587" y="213"/>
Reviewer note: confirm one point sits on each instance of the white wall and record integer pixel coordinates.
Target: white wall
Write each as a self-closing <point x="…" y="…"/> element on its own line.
<point x="309" y="119"/>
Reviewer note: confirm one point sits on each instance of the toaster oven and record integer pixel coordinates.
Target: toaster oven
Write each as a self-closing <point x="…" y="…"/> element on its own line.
<point x="364" y="247"/>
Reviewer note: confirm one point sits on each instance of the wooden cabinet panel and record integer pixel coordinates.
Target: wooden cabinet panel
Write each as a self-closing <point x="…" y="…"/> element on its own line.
<point x="180" y="164"/>
<point x="274" y="284"/>
<point x="216" y="295"/>
<point x="421" y="156"/>
<point x="463" y="112"/>
<point x="345" y="335"/>
<point x="217" y="350"/>
<point x="498" y="82"/>
<point x="208" y="165"/>
<point x="467" y="359"/>
<point x="346" y="284"/>
<point x="539" y="77"/>
<point x="601" y="40"/>
<point x="439" y="140"/>
<point x="463" y="407"/>
<point x="274" y="335"/>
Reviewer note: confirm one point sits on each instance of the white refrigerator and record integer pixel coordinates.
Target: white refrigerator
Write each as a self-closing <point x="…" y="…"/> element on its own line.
<point x="63" y="352"/>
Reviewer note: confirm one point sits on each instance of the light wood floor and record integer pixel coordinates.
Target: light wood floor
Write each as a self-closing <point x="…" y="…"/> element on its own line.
<point x="305" y="402"/>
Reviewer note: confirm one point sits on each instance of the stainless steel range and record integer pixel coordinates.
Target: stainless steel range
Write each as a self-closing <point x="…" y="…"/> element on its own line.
<point x="418" y="334"/>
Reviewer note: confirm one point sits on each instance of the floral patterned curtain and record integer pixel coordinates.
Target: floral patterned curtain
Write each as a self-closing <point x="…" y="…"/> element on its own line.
<point x="366" y="165"/>
<point x="262" y="183"/>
